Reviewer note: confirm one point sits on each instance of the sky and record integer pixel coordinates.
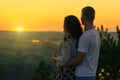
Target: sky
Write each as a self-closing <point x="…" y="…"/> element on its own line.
<point x="48" y="15"/>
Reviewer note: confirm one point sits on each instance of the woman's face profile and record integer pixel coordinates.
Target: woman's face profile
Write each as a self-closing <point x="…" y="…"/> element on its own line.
<point x="65" y="28"/>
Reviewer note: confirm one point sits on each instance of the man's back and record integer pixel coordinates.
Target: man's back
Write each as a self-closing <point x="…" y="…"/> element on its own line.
<point x="89" y="43"/>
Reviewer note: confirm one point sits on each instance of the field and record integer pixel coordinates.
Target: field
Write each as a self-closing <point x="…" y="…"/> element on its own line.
<point x="22" y="52"/>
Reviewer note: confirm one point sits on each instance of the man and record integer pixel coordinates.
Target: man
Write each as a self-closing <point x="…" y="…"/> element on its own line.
<point x="86" y="59"/>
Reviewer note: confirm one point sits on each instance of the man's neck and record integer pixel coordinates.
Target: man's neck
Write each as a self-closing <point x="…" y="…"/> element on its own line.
<point x="89" y="26"/>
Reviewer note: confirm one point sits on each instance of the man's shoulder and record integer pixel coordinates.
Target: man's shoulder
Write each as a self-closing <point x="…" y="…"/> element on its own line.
<point x="90" y="32"/>
<point x="86" y="34"/>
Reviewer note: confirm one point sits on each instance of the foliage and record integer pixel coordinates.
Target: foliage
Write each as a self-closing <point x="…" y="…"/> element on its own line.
<point x="14" y="67"/>
<point x="109" y="62"/>
<point x="20" y="57"/>
<point x="43" y="71"/>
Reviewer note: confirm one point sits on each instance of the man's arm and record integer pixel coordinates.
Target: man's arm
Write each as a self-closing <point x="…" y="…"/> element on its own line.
<point x="77" y="60"/>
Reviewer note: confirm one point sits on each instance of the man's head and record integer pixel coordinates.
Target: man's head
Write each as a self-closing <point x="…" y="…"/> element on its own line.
<point x="88" y="14"/>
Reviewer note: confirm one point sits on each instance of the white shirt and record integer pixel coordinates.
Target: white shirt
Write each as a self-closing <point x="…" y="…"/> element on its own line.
<point x="89" y="43"/>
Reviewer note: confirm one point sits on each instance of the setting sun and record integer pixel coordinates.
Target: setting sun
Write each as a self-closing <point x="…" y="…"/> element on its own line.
<point x="20" y="29"/>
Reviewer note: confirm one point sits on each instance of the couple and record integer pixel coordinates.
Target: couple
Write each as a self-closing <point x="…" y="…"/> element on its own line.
<point x="79" y="52"/>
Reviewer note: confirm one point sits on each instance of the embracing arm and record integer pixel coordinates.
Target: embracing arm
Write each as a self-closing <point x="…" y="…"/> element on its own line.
<point x="76" y="60"/>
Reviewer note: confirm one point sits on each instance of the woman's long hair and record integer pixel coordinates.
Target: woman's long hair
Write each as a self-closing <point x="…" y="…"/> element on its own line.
<point x="72" y="24"/>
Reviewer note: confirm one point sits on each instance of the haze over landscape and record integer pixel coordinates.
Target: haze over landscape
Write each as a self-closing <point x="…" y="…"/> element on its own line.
<point x="48" y="15"/>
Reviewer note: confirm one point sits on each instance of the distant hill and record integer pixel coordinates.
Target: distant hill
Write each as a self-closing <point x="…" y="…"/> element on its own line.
<point x="8" y="36"/>
<point x="29" y="36"/>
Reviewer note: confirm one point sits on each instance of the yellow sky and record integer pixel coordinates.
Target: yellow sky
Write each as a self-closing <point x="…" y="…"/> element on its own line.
<point x="48" y="15"/>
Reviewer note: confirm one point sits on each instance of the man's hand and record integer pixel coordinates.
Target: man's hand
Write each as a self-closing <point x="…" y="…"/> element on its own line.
<point x="54" y="59"/>
<point x="76" y="60"/>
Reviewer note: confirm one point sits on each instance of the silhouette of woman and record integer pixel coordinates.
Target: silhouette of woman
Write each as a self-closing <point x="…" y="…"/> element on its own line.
<point x="68" y="47"/>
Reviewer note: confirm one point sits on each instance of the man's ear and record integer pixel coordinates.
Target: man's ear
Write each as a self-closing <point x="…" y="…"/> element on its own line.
<point x="82" y="20"/>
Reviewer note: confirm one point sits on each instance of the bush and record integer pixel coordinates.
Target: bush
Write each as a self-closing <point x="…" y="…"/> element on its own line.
<point x="109" y="61"/>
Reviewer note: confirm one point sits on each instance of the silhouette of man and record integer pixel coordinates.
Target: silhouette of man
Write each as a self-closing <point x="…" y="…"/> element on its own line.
<point x="86" y="59"/>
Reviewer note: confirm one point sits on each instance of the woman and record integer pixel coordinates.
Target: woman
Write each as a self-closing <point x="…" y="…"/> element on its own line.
<point x="68" y="47"/>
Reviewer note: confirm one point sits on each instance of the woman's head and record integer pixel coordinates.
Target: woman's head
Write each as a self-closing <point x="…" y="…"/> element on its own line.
<point x="72" y="26"/>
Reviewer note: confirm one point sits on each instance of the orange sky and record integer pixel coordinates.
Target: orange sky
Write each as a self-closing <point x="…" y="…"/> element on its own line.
<point x="48" y="15"/>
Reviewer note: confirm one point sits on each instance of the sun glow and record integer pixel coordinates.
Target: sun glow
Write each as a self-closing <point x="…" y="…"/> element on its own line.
<point x="20" y="29"/>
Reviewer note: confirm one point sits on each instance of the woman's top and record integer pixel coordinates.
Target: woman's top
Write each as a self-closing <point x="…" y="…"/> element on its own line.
<point x="67" y="50"/>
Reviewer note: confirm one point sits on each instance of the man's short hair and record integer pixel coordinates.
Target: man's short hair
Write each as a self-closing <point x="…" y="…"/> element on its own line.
<point x="89" y="13"/>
